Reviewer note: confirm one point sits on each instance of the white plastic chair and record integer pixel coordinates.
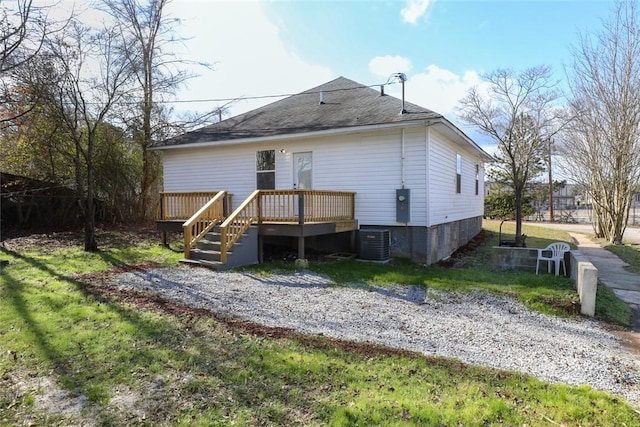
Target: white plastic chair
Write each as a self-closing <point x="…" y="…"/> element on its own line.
<point x="557" y="250"/>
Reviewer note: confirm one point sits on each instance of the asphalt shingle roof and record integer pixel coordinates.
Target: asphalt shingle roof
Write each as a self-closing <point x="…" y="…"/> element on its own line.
<point x="345" y="104"/>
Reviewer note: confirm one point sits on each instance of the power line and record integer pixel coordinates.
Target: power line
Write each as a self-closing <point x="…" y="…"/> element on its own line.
<point x="244" y="98"/>
<point x="240" y="98"/>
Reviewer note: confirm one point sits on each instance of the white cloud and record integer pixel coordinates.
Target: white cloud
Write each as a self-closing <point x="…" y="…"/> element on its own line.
<point x="414" y="10"/>
<point x="439" y="89"/>
<point x="384" y="66"/>
<point x="247" y="52"/>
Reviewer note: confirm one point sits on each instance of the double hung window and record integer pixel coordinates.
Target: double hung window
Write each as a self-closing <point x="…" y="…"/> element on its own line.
<point x="266" y="170"/>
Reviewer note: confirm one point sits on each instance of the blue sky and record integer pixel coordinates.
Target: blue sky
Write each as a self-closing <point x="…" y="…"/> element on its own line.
<point x="280" y="47"/>
<point x="260" y="48"/>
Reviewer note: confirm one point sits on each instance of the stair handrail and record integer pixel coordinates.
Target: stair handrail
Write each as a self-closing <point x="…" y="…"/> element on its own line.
<point x="202" y="221"/>
<point x="238" y="222"/>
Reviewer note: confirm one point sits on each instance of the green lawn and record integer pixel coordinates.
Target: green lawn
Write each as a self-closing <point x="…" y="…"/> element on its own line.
<point x="139" y="361"/>
<point x="628" y="253"/>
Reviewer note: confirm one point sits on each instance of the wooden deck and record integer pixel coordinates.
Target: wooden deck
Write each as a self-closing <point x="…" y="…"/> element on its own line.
<point x="291" y="213"/>
<point x="272" y="228"/>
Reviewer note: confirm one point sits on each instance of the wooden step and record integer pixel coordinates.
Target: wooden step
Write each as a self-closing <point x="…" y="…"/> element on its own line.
<point x="208" y="245"/>
<point x="216" y="265"/>
<point x="207" y="255"/>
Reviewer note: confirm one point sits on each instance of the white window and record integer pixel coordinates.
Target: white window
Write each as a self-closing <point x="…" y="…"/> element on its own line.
<point x="458" y="173"/>
<point x="266" y="170"/>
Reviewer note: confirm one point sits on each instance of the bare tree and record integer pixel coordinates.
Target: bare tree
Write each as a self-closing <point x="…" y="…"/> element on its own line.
<point x="519" y="115"/>
<point x="78" y="97"/>
<point x="23" y="30"/>
<point x="602" y="144"/>
<point x="148" y="34"/>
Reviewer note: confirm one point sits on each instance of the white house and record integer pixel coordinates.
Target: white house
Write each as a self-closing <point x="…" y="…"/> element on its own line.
<point x="409" y="170"/>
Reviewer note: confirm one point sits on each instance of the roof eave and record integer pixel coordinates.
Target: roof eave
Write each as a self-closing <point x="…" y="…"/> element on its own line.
<point x="485" y="156"/>
<point x="290" y="136"/>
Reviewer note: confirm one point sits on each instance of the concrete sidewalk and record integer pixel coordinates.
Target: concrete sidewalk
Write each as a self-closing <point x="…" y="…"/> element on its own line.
<point x="611" y="273"/>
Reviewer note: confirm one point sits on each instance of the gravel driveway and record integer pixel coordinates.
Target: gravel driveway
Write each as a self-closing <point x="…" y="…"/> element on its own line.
<point x="477" y="328"/>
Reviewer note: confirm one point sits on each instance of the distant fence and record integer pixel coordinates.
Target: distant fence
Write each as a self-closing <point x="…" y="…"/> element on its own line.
<point x="578" y="216"/>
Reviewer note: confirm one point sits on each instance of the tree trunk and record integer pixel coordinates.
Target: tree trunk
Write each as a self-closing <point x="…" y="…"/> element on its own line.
<point x="519" y="239"/>
<point x="90" y="243"/>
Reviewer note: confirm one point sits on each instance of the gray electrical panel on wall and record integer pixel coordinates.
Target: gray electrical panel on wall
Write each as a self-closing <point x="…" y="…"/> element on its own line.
<point x="403" y="205"/>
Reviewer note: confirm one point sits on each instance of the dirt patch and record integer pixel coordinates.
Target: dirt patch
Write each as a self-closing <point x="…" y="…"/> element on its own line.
<point x="630" y="339"/>
<point x="276" y="253"/>
<point x="457" y="258"/>
<point x="571" y="307"/>
<point x="50" y="398"/>
<point x="108" y="236"/>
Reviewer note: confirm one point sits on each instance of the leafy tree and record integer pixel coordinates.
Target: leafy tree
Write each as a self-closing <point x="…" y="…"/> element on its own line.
<point x="519" y="115"/>
<point x="118" y="165"/>
<point x="602" y="142"/>
<point x="33" y="146"/>
<point x="503" y="205"/>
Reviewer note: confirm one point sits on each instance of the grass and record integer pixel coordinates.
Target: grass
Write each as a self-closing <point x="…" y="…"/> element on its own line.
<point x="136" y="363"/>
<point x="537" y="237"/>
<point x="628" y="253"/>
<point x="544" y="293"/>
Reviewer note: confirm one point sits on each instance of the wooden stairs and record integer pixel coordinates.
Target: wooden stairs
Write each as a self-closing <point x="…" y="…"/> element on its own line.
<point x="217" y="238"/>
<point x="207" y="251"/>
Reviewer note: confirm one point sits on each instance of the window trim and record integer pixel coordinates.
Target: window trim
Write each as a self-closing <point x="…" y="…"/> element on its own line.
<point x="260" y="172"/>
<point x="458" y="173"/>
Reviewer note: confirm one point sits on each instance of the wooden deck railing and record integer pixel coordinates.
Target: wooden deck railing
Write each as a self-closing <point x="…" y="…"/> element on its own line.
<point x="297" y="206"/>
<point x="284" y="206"/>
<point x="302" y="206"/>
<point x="202" y="221"/>
<point x="238" y="222"/>
<point x="181" y="206"/>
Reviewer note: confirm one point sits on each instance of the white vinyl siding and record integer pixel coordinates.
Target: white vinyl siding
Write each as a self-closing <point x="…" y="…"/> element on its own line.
<point x="446" y="205"/>
<point x="231" y="168"/>
<point x="369" y="164"/>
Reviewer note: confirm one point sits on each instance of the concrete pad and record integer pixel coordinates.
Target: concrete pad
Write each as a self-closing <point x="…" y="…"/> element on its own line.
<point x="630" y="297"/>
<point x="617" y="280"/>
<point x="611" y="270"/>
<point x="631" y="234"/>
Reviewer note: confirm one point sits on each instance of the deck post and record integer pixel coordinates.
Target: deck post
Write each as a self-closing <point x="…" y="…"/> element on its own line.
<point x="162" y="209"/>
<point x="300" y="247"/>
<point x="163" y="234"/>
<point x="300" y="207"/>
<point x="301" y="222"/>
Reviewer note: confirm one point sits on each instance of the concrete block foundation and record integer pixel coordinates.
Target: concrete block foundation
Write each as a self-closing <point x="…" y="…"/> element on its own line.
<point x="428" y="245"/>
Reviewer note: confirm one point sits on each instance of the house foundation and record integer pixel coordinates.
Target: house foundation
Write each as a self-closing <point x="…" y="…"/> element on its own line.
<point x="428" y="245"/>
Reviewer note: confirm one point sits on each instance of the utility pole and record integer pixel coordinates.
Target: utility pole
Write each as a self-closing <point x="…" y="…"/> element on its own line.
<point x="550" y="183"/>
